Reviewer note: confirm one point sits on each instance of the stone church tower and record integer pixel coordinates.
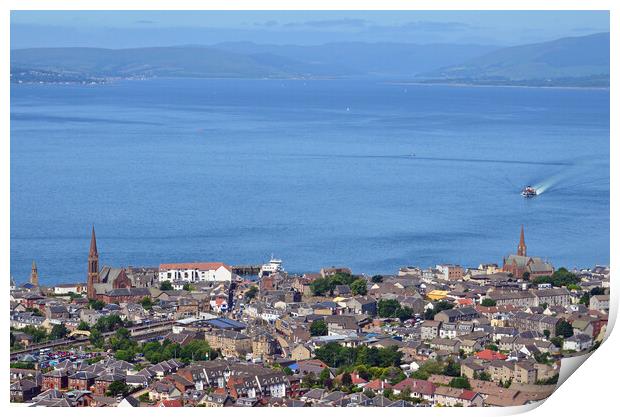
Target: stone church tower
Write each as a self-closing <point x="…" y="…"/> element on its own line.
<point x="34" y="275"/>
<point x="93" y="266"/>
<point x="522" y="248"/>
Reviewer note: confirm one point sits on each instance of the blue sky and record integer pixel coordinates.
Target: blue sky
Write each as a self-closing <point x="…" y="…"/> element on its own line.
<point x="121" y="29"/>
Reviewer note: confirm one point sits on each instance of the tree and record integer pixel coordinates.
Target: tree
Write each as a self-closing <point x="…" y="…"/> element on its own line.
<point x="188" y="287"/>
<point x="346" y="379"/>
<point x="544" y="358"/>
<point x="526" y="276"/>
<point x="321" y="286"/>
<point x="488" y="302"/>
<point x="147" y="303"/>
<point x="404" y="313"/>
<point x="560" y="278"/>
<point x="108" y="323"/>
<point x="325" y="285"/>
<point x="318" y="328"/>
<point x="337" y="356"/>
<point x="38" y="335"/>
<point x="96" y="304"/>
<point x="377" y="278"/>
<point x="58" y="331"/>
<point x="341" y="278"/>
<point x="197" y="350"/>
<point x="359" y="287"/>
<point x="369" y="393"/>
<point x="287" y="370"/>
<point x="564" y="329"/>
<point x="492" y="346"/>
<point x="428" y="368"/>
<point x="452" y="368"/>
<point x="122" y="341"/>
<point x="83" y="326"/>
<point x="387" y="308"/>
<point x="96" y="338"/>
<point x="484" y="376"/>
<point x="460" y="382"/>
<point x="394" y="375"/>
<point x="324" y="376"/>
<point x="251" y="293"/>
<point x="22" y="365"/>
<point x="166" y="286"/>
<point x="308" y="381"/>
<point x="557" y="341"/>
<point x="440" y="306"/>
<point x="124" y="355"/>
<point x="118" y="388"/>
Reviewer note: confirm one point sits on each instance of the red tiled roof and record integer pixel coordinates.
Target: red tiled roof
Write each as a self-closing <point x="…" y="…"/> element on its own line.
<point x="355" y="379"/>
<point x="171" y="403"/>
<point x="377" y="384"/>
<point x="468" y="395"/>
<point x="202" y="266"/>
<point x="490" y="355"/>
<point x="416" y="385"/>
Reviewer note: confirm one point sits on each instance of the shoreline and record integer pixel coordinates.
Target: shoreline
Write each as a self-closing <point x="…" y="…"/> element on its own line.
<point x="292" y="273"/>
<point x="113" y="80"/>
<point x="460" y="85"/>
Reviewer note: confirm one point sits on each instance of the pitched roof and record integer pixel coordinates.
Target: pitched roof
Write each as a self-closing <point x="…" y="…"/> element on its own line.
<point x="377" y="384"/>
<point x="201" y="266"/>
<point x="416" y="385"/>
<point x="490" y="355"/>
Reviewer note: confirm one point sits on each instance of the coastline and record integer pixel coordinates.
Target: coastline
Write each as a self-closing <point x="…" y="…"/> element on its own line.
<point x="449" y="84"/>
<point x="113" y="80"/>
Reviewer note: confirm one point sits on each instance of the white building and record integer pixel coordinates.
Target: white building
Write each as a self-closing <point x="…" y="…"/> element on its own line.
<point x="65" y="289"/>
<point x="195" y="272"/>
<point x="578" y="342"/>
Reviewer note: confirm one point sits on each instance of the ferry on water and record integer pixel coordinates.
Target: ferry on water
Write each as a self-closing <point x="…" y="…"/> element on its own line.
<point x="529" y="192"/>
<point x="273" y="266"/>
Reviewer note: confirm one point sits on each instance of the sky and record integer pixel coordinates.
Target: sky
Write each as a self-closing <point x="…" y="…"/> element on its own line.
<point x="126" y="29"/>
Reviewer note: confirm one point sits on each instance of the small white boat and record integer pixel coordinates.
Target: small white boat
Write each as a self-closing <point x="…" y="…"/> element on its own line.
<point x="529" y="192"/>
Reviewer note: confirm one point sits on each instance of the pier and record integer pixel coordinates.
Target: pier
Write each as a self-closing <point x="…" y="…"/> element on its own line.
<point x="246" y="269"/>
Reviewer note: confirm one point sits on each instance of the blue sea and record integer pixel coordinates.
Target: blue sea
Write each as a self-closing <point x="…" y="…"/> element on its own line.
<point x="367" y="174"/>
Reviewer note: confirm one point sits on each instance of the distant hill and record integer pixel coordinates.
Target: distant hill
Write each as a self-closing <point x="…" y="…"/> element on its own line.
<point x="185" y="61"/>
<point x="247" y="60"/>
<point x="382" y="59"/>
<point x="584" y="60"/>
<point x="569" y="61"/>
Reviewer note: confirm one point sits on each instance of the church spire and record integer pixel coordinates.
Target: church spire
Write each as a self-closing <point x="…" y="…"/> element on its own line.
<point x="34" y="274"/>
<point x="522" y="248"/>
<point x="93" y="243"/>
<point x="93" y="266"/>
